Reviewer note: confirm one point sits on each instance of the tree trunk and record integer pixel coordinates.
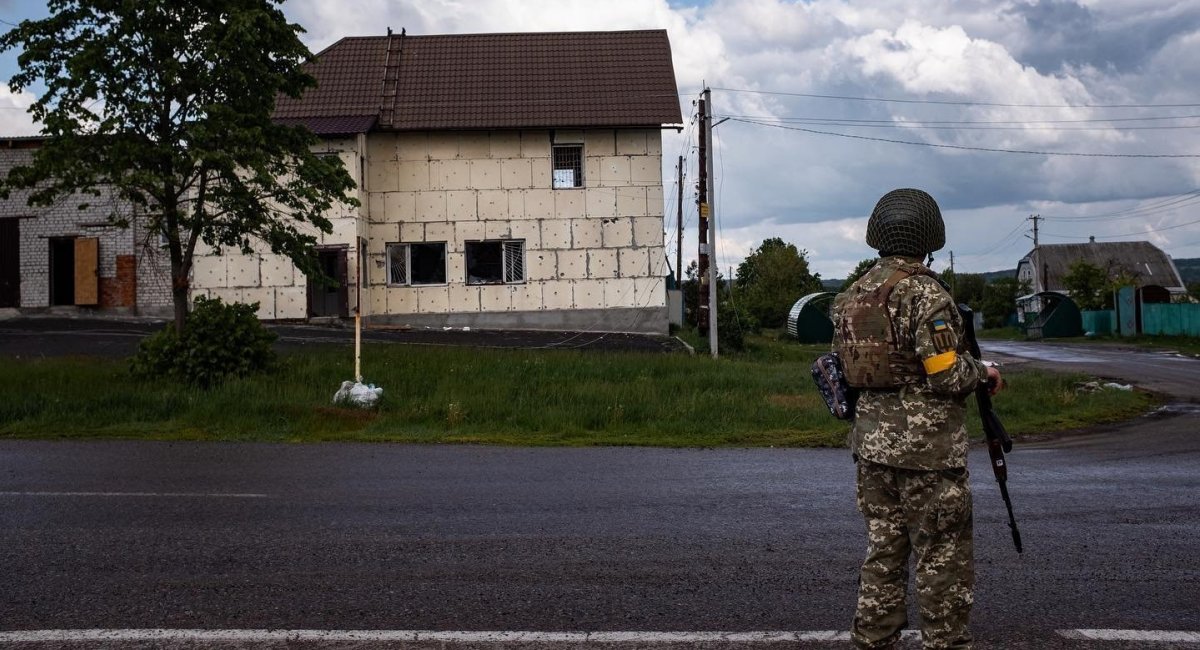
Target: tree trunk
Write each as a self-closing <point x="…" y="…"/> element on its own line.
<point x="179" y="295"/>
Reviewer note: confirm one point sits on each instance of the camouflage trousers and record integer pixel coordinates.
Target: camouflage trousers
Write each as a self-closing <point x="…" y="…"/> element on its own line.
<point x="927" y="514"/>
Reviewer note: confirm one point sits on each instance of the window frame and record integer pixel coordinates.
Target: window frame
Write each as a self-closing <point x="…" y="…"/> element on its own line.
<point x="408" y="278"/>
<point x="554" y="166"/>
<point x="506" y="246"/>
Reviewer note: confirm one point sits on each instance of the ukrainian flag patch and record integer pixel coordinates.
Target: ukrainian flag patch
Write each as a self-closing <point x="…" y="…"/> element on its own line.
<point x="939" y="325"/>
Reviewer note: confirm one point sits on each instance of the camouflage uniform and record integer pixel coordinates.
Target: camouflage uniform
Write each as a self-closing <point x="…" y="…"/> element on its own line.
<point x="910" y="445"/>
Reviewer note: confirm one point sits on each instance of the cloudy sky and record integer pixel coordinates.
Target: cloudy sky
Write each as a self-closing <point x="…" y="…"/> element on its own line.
<point x="819" y="92"/>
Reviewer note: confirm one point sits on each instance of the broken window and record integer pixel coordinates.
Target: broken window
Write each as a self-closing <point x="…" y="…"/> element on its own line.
<point x="413" y="264"/>
<point x="495" y="262"/>
<point x="568" y="165"/>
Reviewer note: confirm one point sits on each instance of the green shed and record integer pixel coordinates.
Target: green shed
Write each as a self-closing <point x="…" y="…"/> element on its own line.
<point x="1059" y="317"/>
<point x="808" y="321"/>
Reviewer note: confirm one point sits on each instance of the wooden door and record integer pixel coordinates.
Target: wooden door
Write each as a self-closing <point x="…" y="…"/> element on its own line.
<point x="10" y="262"/>
<point x="87" y="271"/>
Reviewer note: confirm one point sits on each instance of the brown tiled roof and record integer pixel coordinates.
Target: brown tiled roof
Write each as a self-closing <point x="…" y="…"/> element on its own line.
<point x="331" y="126"/>
<point x="490" y="81"/>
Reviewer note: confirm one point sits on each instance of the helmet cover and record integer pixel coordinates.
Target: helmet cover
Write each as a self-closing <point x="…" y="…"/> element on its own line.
<point x="906" y="222"/>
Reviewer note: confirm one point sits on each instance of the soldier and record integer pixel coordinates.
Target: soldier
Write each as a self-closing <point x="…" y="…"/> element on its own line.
<point x="900" y="338"/>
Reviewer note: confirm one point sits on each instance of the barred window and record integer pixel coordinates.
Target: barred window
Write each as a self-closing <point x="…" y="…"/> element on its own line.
<point x="495" y="262"/>
<point x="414" y="264"/>
<point x="568" y="165"/>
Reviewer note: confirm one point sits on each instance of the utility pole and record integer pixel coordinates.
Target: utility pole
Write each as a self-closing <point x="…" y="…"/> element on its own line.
<point x="679" y="227"/>
<point x="711" y="203"/>
<point x="953" y="275"/>
<point x="1035" y="218"/>
<point x="702" y="319"/>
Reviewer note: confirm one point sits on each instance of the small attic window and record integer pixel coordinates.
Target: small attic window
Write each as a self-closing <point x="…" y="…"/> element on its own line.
<point x="568" y="166"/>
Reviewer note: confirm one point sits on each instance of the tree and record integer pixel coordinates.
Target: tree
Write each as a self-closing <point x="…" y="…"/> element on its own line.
<point x="968" y="288"/>
<point x="858" y="272"/>
<point x="1088" y="285"/>
<point x="1194" y="290"/>
<point x="999" y="300"/>
<point x="771" y="279"/>
<point x="165" y="107"/>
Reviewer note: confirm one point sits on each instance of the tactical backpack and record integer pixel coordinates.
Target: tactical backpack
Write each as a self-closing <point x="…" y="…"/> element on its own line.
<point x="867" y="341"/>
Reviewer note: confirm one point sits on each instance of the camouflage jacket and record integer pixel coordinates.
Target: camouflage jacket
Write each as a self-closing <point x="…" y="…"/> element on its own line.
<point x="921" y="424"/>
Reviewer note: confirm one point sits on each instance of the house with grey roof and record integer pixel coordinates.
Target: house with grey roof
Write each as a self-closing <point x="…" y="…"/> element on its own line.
<point x="505" y="181"/>
<point x="1152" y="270"/>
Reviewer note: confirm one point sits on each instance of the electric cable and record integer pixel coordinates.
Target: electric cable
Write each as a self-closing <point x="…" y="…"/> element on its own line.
<point x="949" y="102"/>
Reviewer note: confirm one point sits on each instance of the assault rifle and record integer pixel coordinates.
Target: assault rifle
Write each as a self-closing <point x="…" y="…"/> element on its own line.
<point x="998" y="440"/>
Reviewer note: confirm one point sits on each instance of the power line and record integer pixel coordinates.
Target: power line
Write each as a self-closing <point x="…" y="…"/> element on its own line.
<point x="895" y="121"/>
<point x="967" y="148"/>
<point x="1166" y="205"/>
<point x="1128" y="234"/>
<point x="947" y="102"/>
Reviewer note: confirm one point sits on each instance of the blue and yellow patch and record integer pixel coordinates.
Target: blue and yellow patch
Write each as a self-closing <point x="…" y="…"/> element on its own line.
<point x="939" y="325"/>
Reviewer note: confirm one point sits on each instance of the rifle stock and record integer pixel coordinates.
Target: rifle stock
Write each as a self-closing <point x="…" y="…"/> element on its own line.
<point x="998" y="440"/>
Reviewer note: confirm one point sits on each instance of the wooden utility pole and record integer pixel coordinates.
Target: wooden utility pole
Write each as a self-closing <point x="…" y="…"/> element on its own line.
<point x="702" y="319"/>
<point x="1035" y="218"/>
<point x="679" y="227"/>
<point x="708" y="220"/>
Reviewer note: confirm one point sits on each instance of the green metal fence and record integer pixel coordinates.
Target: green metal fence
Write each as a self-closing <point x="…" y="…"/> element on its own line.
<point x="1101" y="322"/>
<point x="1177" y="319"/>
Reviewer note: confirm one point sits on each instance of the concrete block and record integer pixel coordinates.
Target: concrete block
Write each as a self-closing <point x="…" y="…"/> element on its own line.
<point x="572" y="264"/>
<point x="291" y="302"/>
<point x="539" y="204"/>
<point x="585" y="233"/>
<point x="469" y="231"/>
<point x="384" y="176"/>
<point x="464" y="298"/>
<point x="516" y="204"/>
<point x="617" y="232"/>
<point x="599" y="142"/>
<point x="588" y="294"/>
<point x="381" y="147"/>
<point x="657" y="258"/>
<point x="377" y="300"/>
<point x="398" y="206"/>
<point x="540" y="265"/>
<point x="557" y="294"/>
<point x="375" y="205"/>
<point x="619" y="293"/>
<point x="631" y="201"/>
<point x="569" y="204"/>
<point x="535" y="144"/>
<point x="654" y="201"/>
<point x="635" y="262"/>
<point x="377" y="270"/>
<point x="412" y="231"/>
<point x="495" y="297"/>
<point x="430" y="206"/>
<point x="208" y="271"/>
<point x="493" y="204"/>
<point x="645" y="170"/>
<point x="474" y="145"/>
<point x="497" y="229"/>
<point x="382" y="233"/>
<point x="485" y="174"/>
<point x="443" y="145"/>
<point x="591" y="171"/>
<point x="654" y="142"/>
<point x="461" y="205"/>
<point x="568" y="136"/>
<point x="529" y="231"/>
<point x="506" y="144"/>
<point x="345" y="231"/>
<point x="631" y="143"/>
<point x="456" y="265"/>
<point x="265" y="297"/>
<point x="401" y="300"/>
<point x="525" y="297"/>
<point x="556" y="233"/>
<point x="650" y="292"/>
<point x="648" y="231"/>
<point x="433" y="300"/>
<point x="242" y="270"/>
<point x="454" y="174"/>
<point x="412" y="146"/>
<point x="276" y="271"/>
<point x="516" y="173"/>
<point x="415" y="176"/>
<point x="439" y="231"/>
<point x="602" y="263"/>
<point x="540" y="168"/>
<point x="614" y="170"/>
<point x="601" y="202"/>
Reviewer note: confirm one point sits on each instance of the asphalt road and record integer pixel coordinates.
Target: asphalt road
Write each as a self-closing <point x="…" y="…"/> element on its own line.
<point x="137" y="535"/>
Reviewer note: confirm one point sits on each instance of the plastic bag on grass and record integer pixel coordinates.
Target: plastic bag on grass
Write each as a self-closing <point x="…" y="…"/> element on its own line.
<point x="353" y="393"/>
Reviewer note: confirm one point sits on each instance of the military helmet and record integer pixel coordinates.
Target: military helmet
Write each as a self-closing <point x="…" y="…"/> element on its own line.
<point x="906" y="222"/>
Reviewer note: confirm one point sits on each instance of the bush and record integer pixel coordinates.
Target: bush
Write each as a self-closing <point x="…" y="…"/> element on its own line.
<point x="734" y="322"/>
<point x="219" y="341"/>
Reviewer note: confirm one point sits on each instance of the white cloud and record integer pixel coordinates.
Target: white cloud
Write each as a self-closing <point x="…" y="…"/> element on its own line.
<point x="14" y="120"/>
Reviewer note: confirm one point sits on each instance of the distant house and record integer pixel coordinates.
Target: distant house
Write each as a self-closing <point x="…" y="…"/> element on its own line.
<point x="1152" y="270"/>
<point x="506" y="181"/>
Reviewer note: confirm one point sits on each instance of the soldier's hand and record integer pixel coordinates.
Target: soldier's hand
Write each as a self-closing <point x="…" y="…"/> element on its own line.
<point x="994" y="380"/>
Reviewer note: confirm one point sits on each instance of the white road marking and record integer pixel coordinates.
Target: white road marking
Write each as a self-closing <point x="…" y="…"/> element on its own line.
<point x="214" y="495"/>
<point x="1146" y="636"/>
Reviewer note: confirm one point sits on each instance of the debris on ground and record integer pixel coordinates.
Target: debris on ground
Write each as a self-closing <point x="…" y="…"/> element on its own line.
<point x="1096" y="386"/>
<point x="354" y="393"/>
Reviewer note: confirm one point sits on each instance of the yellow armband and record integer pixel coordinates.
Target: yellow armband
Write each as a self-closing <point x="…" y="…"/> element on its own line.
<point x="940" y="362"/>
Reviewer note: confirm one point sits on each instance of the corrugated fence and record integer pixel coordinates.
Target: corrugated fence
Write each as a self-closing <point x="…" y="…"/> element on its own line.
<point x="1177" y="319"/>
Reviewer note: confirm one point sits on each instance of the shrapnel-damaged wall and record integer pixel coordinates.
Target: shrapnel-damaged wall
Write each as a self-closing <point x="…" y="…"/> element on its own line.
<point x="594" y="257"/>
<point x="39" y="225"/>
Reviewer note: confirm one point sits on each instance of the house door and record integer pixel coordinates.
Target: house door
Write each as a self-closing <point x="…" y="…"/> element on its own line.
<point x="330" y="300"/>
<point x="10" y="263"/>
<point x="62" y="271"/>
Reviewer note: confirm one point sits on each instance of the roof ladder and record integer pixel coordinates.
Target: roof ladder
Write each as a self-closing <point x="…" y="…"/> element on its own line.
<point x="391" y="79"/>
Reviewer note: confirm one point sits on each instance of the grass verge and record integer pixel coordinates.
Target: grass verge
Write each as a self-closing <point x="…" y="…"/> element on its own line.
<point x="762" y="397"/>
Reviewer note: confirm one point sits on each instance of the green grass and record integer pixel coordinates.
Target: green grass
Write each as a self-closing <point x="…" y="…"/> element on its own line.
<point x="762" y="397"/>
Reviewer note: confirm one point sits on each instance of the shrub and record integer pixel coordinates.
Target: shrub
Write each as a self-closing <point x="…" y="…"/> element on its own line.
<point x="219" y="341"/>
